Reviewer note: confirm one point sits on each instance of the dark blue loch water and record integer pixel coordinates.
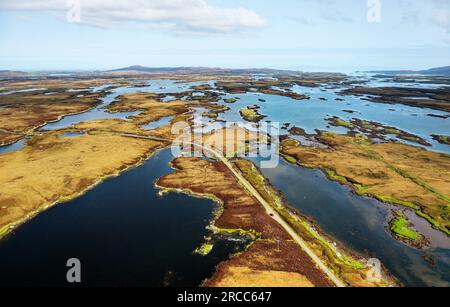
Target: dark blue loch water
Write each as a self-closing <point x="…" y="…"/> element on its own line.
<point x="123" y="233"/>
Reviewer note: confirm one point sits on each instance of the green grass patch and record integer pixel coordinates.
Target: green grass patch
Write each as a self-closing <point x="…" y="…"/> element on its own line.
<point x="411" y="138"/>
<point x="433" y="222"/>
<point x="327" y="134"/>
<point x="343" y="123"/>
<point x="444" y="139"/>
<point x="210" y="115"/>
<point x="239" y="232"/>
<point x="368" y="125"/>
<point x="333" y="176"/>
<point x="205" y="249"/>
<point x="305" y="230"/>
<point x="290" y="159"/>
<point x="392" y="131"/>
<point x="4" y="230"/>
<point x="400" y="226"/>
<point x="361" y="190"/>
<point x="392" y="200"/>
<point x="250" y="114"/>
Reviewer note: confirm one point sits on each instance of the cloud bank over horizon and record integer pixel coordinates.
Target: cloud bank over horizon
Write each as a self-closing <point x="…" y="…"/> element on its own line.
<point x="171" y="15"/>
<point x="310" y="34"/>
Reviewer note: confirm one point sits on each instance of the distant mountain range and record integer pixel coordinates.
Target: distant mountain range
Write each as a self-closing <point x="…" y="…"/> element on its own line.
<point x="439" y="71"/>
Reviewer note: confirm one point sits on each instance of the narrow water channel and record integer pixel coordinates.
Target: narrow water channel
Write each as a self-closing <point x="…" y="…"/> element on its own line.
<point x="360" y="223"/>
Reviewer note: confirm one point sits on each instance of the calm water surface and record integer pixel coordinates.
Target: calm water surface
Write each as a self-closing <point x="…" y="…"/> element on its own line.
<point x="311" y="114"/>
<point x="360" y="223"/>
<point x="123" y="233"/>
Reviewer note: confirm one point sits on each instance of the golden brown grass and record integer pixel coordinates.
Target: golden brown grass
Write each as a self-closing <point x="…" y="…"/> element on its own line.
<point x="20" y="113"/>
<point x="152" y="108"/>
<point x="247" y="277"/>
<point x="392" y="172"/>
<point x="230" y="142"/>
<point x="52" y="169"/>
<point x="63" y="84"/>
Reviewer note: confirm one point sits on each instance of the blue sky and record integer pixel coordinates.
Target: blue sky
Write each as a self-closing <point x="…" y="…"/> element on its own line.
<point x="315" y="35"/>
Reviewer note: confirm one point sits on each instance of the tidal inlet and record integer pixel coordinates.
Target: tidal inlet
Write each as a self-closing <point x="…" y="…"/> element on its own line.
<point x="327" y="167"/>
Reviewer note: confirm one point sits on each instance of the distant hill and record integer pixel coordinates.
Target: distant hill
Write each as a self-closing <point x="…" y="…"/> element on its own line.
<point x="439" y="71"/>
<point x="152" y="69"/>
<point x="12" y="74"/>
<point x="137" y="69"/>
<point x="443" y="71"/>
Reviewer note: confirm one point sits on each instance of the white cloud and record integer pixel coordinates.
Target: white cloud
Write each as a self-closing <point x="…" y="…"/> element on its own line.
<point x="176" y="15"/>
<point x="442" y="19"/>
<point x="441" y="14"/>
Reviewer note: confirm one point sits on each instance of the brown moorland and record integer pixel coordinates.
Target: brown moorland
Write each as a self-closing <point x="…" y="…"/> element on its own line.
<point x="265" y="86"/>
<point x="375" y="130"/>
<point x="63" y="84"/>
<point x="40" y="101"/>
<point x="153" y="109"/>
<point x="438" y="99"/>
<point x="391" y="172"/>
<point x="242" y="212"/>
<point x="21" y="113"/>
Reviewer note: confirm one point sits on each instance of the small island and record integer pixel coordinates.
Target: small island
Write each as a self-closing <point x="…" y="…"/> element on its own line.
<point x="402" y="230"/>
<point x="230" y="100"/>
<point x="251" y="114"/>
<point x="443" y="139"/>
